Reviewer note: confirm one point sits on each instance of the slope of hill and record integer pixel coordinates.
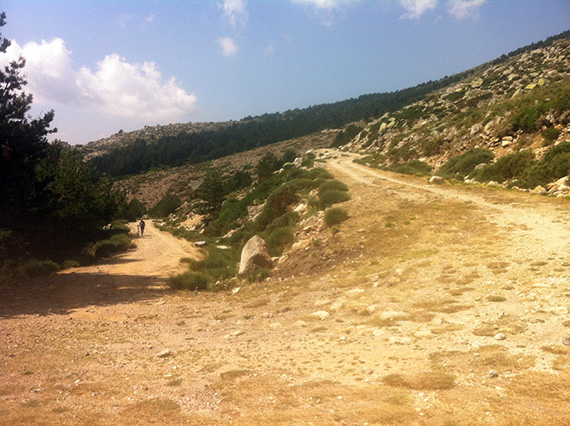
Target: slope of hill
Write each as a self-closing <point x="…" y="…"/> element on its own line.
<point x="522" y="101"/>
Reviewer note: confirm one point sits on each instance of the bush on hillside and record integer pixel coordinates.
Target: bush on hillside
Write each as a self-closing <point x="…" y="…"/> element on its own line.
<point x="37" y="268"/>
<point x="335" y="216"/>
<point x="277" y="204"/>
<point x="280" y="239"/>
<point x="189" y="280"/>
<point x="508" y="167"/>
<point x="463" y="165"/>
<point x="413" y="167"/>
<point x="334" y="185"/>
<point x="167" y="205"/>
<point x="330" y="197"/>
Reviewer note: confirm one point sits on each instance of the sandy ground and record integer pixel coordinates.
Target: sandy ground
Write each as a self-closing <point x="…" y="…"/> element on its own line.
<point x="432" y="305"/>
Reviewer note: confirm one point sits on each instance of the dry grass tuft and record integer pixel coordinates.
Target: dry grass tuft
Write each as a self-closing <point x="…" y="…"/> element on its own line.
<point x="424" y="381"/>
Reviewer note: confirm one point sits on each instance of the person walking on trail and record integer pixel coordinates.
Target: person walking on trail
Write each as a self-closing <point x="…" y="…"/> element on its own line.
<point x="141" y="227"/>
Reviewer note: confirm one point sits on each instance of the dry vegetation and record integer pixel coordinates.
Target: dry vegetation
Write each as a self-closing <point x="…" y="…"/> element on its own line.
<point x="445" y="305"/>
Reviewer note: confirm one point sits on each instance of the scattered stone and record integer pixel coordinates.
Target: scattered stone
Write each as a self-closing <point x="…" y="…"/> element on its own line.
<point x="354" y="292"/>
<point x="436" y="180"/>
<point x="500" y="336"/>
<point x="322" y="315"/>
<point x="566" y="341"/>
<point x="254" y="255"/>
<point x="200" y="243"/>
<point x="493" y="374"/>
<point x="164" y="354"/>
<point x="539" y="190"/>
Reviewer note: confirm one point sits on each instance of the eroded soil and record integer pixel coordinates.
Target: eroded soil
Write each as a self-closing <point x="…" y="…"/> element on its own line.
<point x="432" y="305"/>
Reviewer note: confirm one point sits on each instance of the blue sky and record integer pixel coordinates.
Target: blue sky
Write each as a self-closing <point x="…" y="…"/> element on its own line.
<point x="106" y="65"/>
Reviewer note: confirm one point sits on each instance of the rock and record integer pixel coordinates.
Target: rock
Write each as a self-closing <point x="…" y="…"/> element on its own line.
<point x="200" y="243"/>
<point x="164" y="354"/>
<point x="436" y="180"/>
<point x="322" y="315"/>
<point x="394" y="315"/>
<point x="566" y="341"/>
<point x="493" y="374"/>
<point x="539" y="190"/>
<point x="354" y="292"/>
<point x="254" y="255"/>
<point x="476" y="128"/>
<point x="500" y="336"/>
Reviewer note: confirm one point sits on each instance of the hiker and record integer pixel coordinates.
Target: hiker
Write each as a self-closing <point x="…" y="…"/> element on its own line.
<point x="141" y="227"/>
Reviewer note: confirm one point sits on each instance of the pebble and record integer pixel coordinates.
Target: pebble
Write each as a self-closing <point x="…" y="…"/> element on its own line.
<point x="493" y="374"/>
<point x="164" y="354"/>
<point x="566" y="341"/>
<point x="322" y="315"/>
<point x="500" y="336"/>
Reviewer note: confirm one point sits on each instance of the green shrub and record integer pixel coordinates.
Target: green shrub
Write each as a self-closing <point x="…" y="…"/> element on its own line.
<point x="38" y="268"/>
<point x="550" y="134"/>
<point x="464" y="164"/>
<point x="220" y="264"/>
<point x="104" y="248"/>
<point x="330" y="197"/>
<point x="512" y="166"/>
<point x="277" y="204"/>
<point x="120" y="241"/>
<point x="335" y="185"/>
<point x="280" y="239"/>
<point x="167" y="205"/>
<point x="319" y="173"/>
<point x="120" y="226"/>
<point x="413" y="167"/>
<point x="231" y="211"/>
<point x="258" y="275"/>
<point x="189" y="281"/>
<point x="67" y="264"/>
<point x="335" y="216"/>
<point x="288" y="219"/>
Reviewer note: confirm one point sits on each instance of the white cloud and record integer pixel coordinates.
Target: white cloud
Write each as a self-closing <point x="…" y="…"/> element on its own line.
<point x="464" y="8"/>
<point x="325" y="4"/>
<point x="416" y="8"/>
<point x="235" y="11"/>
<point x="116" y="87"/>
<point x="150" y="18"/>
<point x="228" y="45"/>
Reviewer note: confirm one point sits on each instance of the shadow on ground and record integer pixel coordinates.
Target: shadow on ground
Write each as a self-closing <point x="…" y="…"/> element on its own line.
<point x="63" y="293"/>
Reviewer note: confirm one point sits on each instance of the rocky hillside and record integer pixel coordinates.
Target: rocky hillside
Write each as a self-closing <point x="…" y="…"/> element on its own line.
<point x="148" y="133"/>
<point x="513" y="103"/>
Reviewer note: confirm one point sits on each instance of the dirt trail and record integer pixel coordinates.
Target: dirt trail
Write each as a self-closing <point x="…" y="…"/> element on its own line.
<point x="432" y="305"/>
<point x="548" y="235"/>
<point x="157" y="255"/>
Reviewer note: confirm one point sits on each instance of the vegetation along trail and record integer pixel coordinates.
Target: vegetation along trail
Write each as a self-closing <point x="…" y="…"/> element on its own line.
<point x="432" y="305"/>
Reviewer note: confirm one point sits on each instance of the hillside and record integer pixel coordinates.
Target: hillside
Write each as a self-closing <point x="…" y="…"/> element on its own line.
<point x="523" y="101"/>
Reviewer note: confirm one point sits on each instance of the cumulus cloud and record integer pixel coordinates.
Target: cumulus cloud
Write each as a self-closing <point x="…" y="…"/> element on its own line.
<point x="115" y="87"/>
<point x="228" y="45"/>
<point x="416" y="8"/>
<point x="235" y="11"/>
<point x="465" y="8"/>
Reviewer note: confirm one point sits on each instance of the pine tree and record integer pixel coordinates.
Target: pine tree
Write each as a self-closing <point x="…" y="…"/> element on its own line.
<point x="22" y="139"/>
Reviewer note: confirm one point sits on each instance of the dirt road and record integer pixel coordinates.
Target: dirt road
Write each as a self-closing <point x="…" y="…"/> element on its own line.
<point x="432" y="305"/>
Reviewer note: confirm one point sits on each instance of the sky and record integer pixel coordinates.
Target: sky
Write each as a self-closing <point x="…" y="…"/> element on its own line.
<point x="110" y="65"/>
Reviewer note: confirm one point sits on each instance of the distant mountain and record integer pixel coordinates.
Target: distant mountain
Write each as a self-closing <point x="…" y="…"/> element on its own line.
<point x="452" y="99"/>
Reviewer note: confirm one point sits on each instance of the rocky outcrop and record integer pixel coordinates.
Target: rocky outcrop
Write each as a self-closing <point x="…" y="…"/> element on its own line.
<point x="254" y="255"/>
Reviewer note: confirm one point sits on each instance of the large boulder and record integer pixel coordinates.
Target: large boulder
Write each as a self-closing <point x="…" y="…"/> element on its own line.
<point x="254" y="255"/>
